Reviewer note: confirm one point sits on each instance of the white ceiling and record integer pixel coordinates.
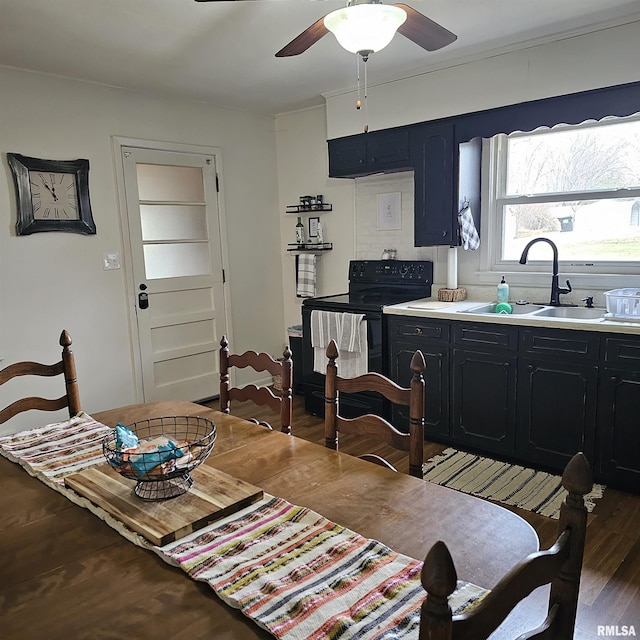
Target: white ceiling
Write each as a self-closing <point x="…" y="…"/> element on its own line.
<point x="223" y="52"/>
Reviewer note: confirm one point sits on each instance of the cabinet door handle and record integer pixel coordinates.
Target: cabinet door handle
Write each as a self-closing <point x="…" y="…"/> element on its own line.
<point x="418" y="331"/>
<point x="614" y="379"/>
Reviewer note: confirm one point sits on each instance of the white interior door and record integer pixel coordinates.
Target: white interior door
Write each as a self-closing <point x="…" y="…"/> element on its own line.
<point x="174" y="229"/>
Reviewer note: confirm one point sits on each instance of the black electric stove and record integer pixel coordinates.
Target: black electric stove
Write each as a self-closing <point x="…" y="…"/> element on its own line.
<point x="373" y="284"/>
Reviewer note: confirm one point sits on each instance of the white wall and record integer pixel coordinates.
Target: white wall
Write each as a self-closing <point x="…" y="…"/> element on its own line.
<point x="303" y="167"/>
<point x="55" y="281"/>
<point x="599" y="59"/>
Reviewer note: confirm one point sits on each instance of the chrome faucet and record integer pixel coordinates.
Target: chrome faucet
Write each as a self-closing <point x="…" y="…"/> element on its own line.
<point x="556" y="290"/>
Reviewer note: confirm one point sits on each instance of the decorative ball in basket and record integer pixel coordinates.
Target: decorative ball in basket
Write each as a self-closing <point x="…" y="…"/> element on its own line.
<point x="160" y="453"/>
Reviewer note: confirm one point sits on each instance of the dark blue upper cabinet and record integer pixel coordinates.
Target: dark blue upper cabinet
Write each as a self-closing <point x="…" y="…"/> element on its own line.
<point x="388" y="150"/>
<point x="435" y="162"/>
<point x="447" y="173"/>
<point x="368" y="153"/>
<point x="348" y="156"/>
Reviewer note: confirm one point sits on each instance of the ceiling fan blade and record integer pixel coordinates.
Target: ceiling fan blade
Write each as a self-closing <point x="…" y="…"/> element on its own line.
<point x="308" y="37"/>
<point x="423" y="31"/>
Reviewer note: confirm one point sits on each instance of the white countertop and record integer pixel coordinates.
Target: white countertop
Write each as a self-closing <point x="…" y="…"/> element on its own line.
<point x="434" y="309"/>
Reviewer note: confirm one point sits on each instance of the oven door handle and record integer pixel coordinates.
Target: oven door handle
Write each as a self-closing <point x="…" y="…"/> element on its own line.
<point x="369" y="318"/>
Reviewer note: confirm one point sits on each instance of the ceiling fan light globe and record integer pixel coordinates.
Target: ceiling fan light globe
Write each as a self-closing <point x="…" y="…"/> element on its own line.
<point x="365" y="27"/>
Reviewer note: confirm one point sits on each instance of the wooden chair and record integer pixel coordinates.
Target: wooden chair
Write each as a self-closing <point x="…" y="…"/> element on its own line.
<point x="376" y="426"/>
<point x="262" y="396"/>
<point x="66" y="366"/>
<point x="560" y="566"/>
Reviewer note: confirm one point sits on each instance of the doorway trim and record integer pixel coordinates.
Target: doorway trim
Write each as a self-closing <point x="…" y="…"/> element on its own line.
<point x="117" y="143"/>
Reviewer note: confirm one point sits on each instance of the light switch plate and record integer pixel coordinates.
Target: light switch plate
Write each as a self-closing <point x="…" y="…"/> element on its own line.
<point x="111" y="260"/>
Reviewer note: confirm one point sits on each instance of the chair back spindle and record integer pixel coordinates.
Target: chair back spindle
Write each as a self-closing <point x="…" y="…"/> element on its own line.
<point x="260" y="395"/>
<point x="376" y="426"/>
<point x="66" y="367"/>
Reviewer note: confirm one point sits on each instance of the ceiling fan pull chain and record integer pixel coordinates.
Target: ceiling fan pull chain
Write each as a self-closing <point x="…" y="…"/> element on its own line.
<point x="366" y="92"/>
<point x="358" y="103"/>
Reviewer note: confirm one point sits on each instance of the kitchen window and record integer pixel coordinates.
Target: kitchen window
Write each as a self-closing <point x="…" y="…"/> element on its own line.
<point x="578" y="185"/>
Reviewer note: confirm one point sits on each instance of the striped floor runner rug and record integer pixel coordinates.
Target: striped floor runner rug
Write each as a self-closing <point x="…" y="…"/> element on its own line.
<point x="511" y="484"/>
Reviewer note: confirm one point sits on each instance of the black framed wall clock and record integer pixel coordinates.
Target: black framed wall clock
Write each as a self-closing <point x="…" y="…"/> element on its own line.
<point x="52" y="195"/>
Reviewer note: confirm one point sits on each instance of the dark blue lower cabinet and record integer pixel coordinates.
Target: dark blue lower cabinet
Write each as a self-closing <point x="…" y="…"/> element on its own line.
<point x="534" y="396"/>
<point x="618" y="441"/>
<point x="484" y="400"/>
<point x="556" y="411"/>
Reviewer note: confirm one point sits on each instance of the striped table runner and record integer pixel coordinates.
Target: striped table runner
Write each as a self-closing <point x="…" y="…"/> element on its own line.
<point x="57" y="450"/>
<point x="299" y="575"/>
<point x="289" y="569"/>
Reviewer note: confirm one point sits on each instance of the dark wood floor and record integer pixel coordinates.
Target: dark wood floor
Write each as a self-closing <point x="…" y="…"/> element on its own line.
<point x="610" y="588"/>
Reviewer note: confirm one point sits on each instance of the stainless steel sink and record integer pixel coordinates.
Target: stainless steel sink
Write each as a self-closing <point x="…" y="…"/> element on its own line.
<point x="517" y="309"/>
<point x="574" y="313"/>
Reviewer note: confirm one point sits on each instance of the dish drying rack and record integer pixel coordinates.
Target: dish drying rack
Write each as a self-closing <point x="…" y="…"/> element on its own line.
<point x="623" y="305"/>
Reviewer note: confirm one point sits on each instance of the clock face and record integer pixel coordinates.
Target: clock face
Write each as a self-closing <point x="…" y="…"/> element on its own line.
<point x="54" y="195"/>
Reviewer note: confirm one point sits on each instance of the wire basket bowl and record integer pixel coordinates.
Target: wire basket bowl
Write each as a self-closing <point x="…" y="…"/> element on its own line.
<point x="160" y="474"/>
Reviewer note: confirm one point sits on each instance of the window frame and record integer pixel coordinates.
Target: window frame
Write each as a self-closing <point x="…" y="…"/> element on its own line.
<point x="607" y="274"/>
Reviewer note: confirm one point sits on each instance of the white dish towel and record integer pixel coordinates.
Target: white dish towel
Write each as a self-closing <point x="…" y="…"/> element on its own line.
<point x="349" y="330"/>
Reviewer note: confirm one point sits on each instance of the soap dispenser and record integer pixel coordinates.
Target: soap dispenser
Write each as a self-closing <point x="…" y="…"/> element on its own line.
<point x="503" y="291"/>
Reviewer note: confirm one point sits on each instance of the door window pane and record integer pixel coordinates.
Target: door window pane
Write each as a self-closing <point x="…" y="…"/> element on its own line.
<point x="176" y="260"/>
<point x="157" y="182"/>
<point x="173" y="222"/>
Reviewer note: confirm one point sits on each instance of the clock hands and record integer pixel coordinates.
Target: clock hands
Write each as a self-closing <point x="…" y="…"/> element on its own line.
<point x="51" y="189"/>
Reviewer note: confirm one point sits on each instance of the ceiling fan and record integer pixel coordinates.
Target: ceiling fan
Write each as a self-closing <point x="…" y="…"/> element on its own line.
<point x="366" y="26"/>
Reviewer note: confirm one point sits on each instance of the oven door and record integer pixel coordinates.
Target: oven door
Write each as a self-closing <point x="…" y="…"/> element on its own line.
<point x="351" y="404"/>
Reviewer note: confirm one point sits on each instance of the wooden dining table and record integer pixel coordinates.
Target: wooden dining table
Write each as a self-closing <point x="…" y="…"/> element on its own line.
<point x="64" y="573"/>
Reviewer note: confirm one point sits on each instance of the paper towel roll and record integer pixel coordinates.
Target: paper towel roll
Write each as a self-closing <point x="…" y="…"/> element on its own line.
<point x="452" y="268"/>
